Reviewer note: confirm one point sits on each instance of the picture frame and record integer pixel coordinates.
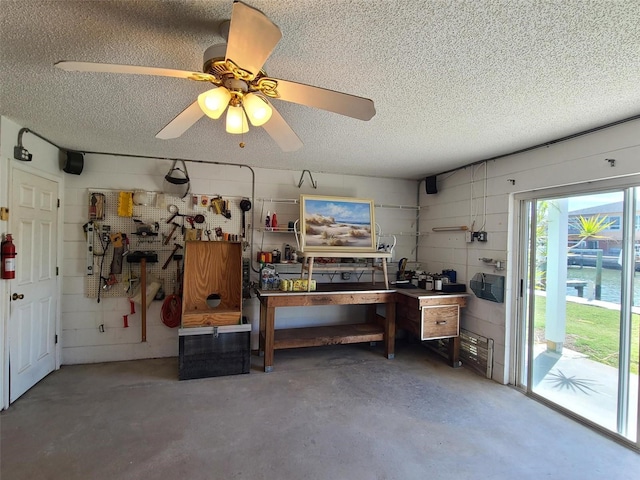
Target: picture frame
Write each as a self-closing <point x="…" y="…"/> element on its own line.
<point x="337" y="224"/>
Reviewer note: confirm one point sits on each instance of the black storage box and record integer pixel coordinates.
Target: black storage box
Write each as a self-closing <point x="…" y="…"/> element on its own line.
<point x="214" y="351"/>
<point x="454" y="287"/>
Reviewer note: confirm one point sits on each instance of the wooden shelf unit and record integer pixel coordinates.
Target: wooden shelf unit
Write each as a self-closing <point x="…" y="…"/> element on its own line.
<point x="212" y="267"/>
<point x="329" y="335"/>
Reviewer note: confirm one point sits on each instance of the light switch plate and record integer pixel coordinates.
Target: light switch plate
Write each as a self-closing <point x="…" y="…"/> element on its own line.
<point x="4" y="214"/>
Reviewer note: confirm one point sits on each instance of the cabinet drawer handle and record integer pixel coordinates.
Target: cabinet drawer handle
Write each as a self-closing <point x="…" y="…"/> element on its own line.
<point x="441" y="322"/>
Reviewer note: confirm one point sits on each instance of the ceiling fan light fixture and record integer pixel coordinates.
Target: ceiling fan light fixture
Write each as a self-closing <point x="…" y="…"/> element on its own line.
<point x="257" y="108"/>
<point x="213" y="102"/>
<point x="236" y="120"/>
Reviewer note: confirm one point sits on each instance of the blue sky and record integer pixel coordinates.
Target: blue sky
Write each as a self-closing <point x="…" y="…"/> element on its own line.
<point x="594" y="200"/>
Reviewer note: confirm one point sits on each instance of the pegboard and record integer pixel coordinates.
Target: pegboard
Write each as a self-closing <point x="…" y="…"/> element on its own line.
<point x="146" y="230"/>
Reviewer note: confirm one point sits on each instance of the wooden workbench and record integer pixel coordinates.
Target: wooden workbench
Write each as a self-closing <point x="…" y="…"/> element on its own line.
<point x="374" y="328"/>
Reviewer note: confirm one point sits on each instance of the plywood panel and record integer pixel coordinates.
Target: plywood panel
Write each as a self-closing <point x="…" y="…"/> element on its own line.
<point x="212" y="268"/>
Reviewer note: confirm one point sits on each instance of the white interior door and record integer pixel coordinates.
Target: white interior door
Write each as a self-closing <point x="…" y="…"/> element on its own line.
<point x="34" y="291"/>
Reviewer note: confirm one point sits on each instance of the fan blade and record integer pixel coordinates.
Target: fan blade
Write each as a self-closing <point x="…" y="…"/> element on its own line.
<point x="131" y="69"/>
<point x="183" y="121"/>
<point x="281" y="132"/>
<point x="252" y="38"/>
<point x="337" y="102"/>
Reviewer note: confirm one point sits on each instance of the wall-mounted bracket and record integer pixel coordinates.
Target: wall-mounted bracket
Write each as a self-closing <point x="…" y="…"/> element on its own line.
<point x="313" y="183"/>
<point x="490" y="262"/>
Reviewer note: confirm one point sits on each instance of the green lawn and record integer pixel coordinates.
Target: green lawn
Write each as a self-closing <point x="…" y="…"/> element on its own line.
<point x="593" y="331"/>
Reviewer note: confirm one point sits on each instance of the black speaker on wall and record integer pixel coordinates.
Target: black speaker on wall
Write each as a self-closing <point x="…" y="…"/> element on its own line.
<point x="74" y="163"/>
<point x="430" y="184"/>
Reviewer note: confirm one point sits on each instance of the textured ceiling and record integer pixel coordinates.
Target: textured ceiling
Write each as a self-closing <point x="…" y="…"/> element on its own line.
<point x="453" y="82"/>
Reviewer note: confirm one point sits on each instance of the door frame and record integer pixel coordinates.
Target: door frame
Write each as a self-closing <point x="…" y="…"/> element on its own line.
<point x="515" y="257"/>
<point x="4" y="346"/>
<point x="519" y="217"/>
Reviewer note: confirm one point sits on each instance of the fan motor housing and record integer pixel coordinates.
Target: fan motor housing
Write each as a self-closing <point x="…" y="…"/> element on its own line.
<point x="214" y="61"/>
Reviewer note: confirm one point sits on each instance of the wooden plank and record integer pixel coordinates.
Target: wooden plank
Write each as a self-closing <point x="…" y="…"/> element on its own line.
<point x="328" y="335"/>
<point x="443" y="300"/>
<point x="214" y="318"/>
<point x="292" y="299"/>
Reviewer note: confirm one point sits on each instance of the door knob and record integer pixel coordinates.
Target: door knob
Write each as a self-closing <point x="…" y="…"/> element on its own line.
<point x="17" y="296"/>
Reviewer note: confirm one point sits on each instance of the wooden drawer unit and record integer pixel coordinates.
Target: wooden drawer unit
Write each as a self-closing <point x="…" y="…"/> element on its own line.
<point x="440" y="321"/>
<point x="431" y="316"/>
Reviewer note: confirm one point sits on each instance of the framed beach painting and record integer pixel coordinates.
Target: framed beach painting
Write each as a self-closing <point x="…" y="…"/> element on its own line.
<point x="337" y="224"/>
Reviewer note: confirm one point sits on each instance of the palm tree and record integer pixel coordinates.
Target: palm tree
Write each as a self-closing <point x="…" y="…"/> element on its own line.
<point x="589" y="228"/>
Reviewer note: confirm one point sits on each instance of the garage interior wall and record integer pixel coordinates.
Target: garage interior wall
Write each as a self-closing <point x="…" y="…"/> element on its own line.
<point x="82" y="339"/>
<point x="575" y="161"/>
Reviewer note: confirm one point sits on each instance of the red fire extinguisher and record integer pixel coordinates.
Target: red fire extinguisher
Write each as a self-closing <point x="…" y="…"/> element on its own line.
<point x="8" y="258"/>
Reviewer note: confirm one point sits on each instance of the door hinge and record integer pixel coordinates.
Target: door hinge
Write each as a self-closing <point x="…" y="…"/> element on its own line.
<point x="58" y="203"/>
<point x="57" y="271"/>
<point x="56" y="338"/>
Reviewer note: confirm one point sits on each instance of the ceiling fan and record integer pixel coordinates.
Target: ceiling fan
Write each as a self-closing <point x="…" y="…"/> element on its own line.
<point x="240" y="85"/>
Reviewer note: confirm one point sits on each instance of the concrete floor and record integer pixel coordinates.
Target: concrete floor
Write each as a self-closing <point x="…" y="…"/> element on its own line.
<point x="342" y="412"/>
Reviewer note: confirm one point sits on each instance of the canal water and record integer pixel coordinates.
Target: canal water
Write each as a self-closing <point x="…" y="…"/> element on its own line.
<point x="610" y="291"/>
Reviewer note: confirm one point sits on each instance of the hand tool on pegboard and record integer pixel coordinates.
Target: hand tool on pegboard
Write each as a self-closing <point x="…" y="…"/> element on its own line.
<point x="118" y="250"/>
<point x="245" y="206"/>
<point x="89" y="228"/>
<point x="171" y="311"/>
<point x="176" y="247"/>
<point x="170" y="236"/>
<point x="96" y="206"/>
<point x="175" y="212"/>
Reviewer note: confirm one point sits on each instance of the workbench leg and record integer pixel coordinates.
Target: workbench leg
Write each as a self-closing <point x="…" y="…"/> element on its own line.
<point x="453" y="348"/>
<point x="390" y="330"/>
<point x="261" y="329"/>
<point x="269" y="335"/>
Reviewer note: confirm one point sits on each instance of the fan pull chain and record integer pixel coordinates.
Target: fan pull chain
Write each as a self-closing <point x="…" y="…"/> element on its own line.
<point x="241" y="144"/>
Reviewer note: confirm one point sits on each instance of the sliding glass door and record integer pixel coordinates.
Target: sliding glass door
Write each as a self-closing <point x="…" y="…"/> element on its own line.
<point x="579" y="313"/>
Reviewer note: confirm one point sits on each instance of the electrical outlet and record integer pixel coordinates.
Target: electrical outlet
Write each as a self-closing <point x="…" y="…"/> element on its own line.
<point x="468" y="236"/>
<point x="482" y="236"/>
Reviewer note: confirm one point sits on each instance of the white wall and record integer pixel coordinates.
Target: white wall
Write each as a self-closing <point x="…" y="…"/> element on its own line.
<point x="46" y="159"/>
<point x="574" y="161"/>
<point x="81" y="316"/>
